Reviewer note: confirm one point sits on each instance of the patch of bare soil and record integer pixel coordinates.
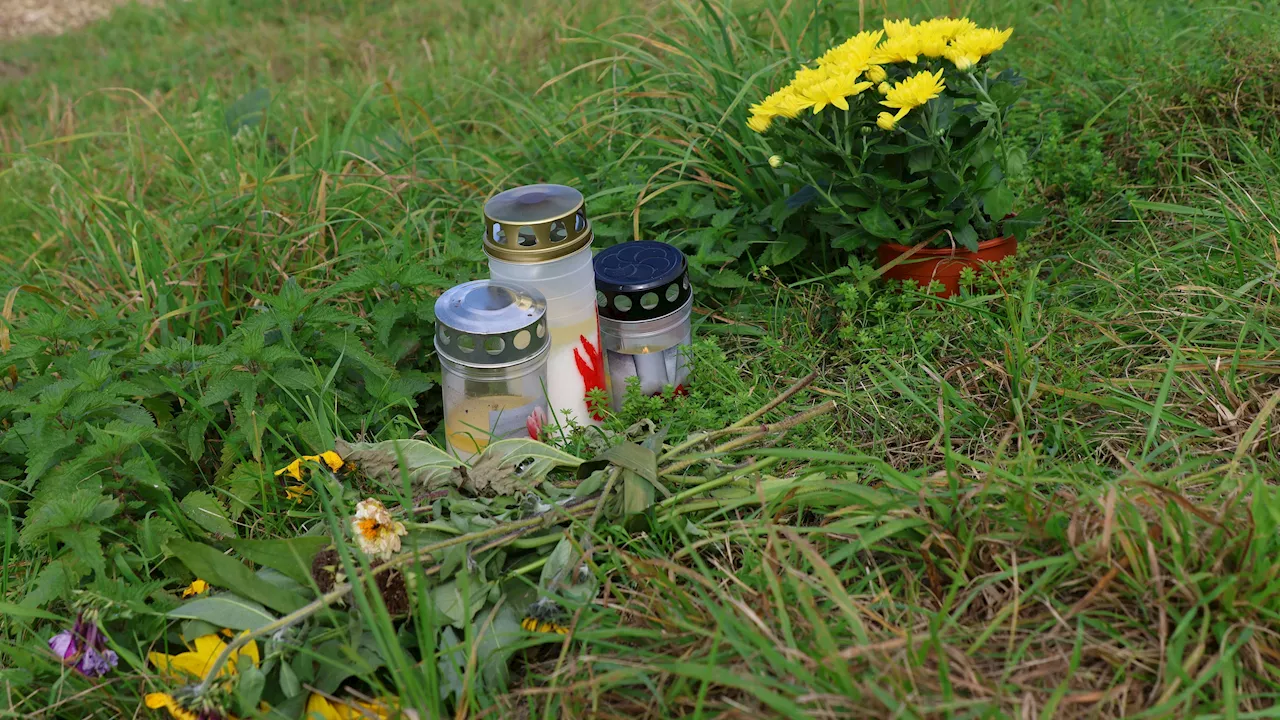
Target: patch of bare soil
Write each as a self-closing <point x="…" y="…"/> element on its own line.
<point x="19" y="18"/>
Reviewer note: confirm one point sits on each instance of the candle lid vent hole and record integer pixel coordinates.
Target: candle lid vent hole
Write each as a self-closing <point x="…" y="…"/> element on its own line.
<point x="526" y="236"/>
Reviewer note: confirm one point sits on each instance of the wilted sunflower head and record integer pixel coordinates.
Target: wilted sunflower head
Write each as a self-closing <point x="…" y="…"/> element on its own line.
<point x="326" y="570"/>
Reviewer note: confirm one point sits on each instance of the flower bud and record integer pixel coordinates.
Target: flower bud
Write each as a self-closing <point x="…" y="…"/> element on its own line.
<point x="775" y="161"/>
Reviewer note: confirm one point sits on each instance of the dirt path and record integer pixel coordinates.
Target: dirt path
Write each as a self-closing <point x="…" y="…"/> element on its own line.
<point x="19" y="18"/>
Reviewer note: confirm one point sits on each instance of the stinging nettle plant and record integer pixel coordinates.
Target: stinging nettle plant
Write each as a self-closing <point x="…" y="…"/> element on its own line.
<point x="897" y="136"/>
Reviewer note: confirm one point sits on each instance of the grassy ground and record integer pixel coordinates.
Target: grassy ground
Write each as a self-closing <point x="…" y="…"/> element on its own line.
<point x="1051" y="497"/>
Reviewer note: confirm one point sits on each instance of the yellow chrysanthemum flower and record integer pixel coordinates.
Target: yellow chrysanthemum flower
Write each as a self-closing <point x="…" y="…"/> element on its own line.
<point x="915" y="91"/>
<point x="759" y="123"/>
<point x="876" y="74"/>
<point x="902" y="48"/>
<point x="791" y="104"/>
<point x="888" y="122"/>
<point x="834" y="92"/>
<point x="852" y="56"/>
<point x="806" y="78"/>
<point x="775" y="161"/>
<point x="968" y="48"/>
<point x="931" y="40"/>
<point x="897" y="28"/>
<point x="951" y="27"/>
<point x="865" y="42"/>
<point x="784" y="103"/>
<point x="908" y="95"/>
<point x="197" y="587"/>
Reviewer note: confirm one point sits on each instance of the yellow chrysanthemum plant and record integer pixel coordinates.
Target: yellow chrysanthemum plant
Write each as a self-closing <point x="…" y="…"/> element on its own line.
<point x="897" y="136"/>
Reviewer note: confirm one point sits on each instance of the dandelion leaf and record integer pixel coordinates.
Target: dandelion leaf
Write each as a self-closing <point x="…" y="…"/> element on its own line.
<point x="423" y="463"/>
<point x="510" y="466"/>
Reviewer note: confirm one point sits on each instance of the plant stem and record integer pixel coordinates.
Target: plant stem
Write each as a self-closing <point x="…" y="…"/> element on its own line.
<point x="721" y="481"/>
<point x="761" y="432"/>
<point x="786" y="395"/>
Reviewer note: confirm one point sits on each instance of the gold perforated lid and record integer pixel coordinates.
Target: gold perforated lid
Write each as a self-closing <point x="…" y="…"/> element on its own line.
<point x="535" y="223"/>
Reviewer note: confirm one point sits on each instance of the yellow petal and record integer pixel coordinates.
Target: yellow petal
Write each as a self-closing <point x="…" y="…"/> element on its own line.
<point x="155" y="701"/>
<point x="318" y="706"/>
<point x="173" y="665"/>
<point x="250" y="650"/>
<point x="296" y="493"/>
<point x="198" y="661"/>
<point x="196" y="588"/>
<point x="293" y="470"/>
<point x="331" y="459"/>
<point x="759" y="123"/>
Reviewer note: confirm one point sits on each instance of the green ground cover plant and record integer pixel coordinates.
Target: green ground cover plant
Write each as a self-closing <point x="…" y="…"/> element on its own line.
<point x="222" y="230"/>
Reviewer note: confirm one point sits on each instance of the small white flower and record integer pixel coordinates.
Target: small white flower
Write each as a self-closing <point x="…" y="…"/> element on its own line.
<point x="376" y="533"/>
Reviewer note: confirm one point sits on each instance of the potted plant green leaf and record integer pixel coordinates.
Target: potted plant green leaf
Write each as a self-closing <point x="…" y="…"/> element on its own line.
<point x="896" y="138"/>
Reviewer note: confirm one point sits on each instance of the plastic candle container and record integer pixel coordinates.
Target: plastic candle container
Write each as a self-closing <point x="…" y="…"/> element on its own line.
<point x="645" y="302"/>
<point x="493" y="344"/>
<point x="539" y="236"/>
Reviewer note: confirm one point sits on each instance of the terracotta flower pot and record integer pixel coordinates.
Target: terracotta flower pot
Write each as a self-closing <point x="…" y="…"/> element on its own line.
<point x="942" y="264"/>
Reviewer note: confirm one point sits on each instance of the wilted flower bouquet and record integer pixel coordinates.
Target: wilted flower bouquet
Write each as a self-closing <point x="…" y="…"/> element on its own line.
<point x="896" y="137"/>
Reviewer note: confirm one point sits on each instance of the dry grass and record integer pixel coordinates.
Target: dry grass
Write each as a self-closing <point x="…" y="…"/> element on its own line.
<point x="20" y="18"/>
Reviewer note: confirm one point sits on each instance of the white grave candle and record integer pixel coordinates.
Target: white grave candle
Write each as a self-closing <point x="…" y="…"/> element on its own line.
<point x="539" y="236"/>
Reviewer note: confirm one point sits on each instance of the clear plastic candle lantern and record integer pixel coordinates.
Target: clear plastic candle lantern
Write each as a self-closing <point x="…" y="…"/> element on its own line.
<point x="493" y="344"/>
<point x="645" y="302"/>
<point x="539" y="236"/>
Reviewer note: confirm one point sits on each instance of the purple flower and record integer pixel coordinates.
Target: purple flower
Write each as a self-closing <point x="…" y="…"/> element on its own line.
<point x="95" y="664"/>
<point x="63" y="645"/>
<point x="85" y="647"/>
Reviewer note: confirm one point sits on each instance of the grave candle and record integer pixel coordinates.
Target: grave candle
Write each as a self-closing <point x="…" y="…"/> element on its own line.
<point x="493" y="344"/>
<point x="645" y="303"/>
<point x="539" y="236"/>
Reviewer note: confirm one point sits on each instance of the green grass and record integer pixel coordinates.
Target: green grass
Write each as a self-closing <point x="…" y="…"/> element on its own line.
<point x="222" y="227"/>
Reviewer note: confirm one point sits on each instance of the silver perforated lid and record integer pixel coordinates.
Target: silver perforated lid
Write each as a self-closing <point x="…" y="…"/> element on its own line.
<point x="491" y="323"/>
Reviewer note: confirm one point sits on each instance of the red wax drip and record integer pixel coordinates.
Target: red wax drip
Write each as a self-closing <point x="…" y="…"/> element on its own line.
<point x="592" y="372"/>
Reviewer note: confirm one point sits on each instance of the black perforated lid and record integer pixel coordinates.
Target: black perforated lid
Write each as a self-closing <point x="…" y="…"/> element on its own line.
<point x="641" y="280"/>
